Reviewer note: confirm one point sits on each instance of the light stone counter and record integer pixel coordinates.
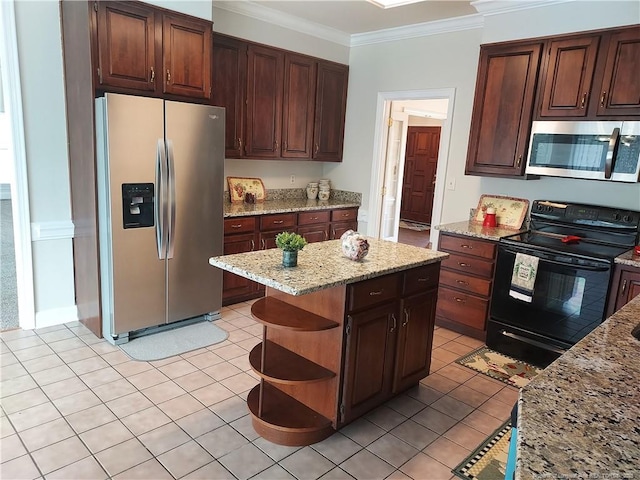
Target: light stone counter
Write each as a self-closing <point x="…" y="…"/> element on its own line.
<point x="321" y="265"/>
<point x="580" y="418"/>
<point x="474" y="230"/>
<point x="287" y="205"/>
<point x="628" y="258"/>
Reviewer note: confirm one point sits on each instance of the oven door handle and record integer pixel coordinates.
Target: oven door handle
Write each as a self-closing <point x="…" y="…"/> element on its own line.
<point x="532" y="342"/>
<point x="592" y="268"/>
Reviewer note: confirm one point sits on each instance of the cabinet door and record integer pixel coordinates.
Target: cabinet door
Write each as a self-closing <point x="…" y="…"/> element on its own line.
<point x="315" y="233"/>
<point x="502" y="109"/>
<point x="337" y="229"/>
<point x="331" y="105"/>
<point x="569" y="77"/>
<point x="368" y="368"/>
<point x="235" y="285"/>
<point x="628" y="288"/>
<point x="186" y="56"/>
<point x="415" y="339"/>
<point x="264" y="102"/>
<point x="229" y="83"/>
<point x="126" y="46"/>
<point x="298" y="106"/>
<point x="620" y="90"/>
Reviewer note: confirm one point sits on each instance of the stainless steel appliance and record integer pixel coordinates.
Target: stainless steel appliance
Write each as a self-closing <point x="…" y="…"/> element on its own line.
<point x="575" y="246"/>
<point x="592" y="150"/>
<point x="160" y="184"/>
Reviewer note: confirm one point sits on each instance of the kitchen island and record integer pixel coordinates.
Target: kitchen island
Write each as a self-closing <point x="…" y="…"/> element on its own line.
<point x="339" y="337"/>
<point x="580" y="418"/>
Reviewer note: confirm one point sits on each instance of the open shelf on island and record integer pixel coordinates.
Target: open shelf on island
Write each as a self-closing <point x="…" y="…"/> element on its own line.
<point x="286" y="367"/>
<point x="284" y="420"/>
<point x="275" y="313"/>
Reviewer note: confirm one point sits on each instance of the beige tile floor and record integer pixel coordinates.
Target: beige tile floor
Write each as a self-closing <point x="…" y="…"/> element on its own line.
<point x="76" y="407"/>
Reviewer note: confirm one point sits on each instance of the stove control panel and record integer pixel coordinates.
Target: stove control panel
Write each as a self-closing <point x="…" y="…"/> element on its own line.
<point x="585" y="214"/>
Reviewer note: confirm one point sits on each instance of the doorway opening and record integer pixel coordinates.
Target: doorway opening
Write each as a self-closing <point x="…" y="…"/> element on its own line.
<point x="413" y="129"/>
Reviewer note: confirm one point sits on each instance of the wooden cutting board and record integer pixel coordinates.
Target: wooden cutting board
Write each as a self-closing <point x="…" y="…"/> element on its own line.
<point x="510" y="211"/>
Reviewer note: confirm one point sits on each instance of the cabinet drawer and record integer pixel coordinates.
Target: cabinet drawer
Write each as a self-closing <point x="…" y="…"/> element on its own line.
<point x="277" y="222"/>
<point x="420" y="279"/>
<point x="344" y="215"/>
<point x="372" y="292"/>
<point x="462" y="308"/>
<point x="479" y="286"/>
<point x="310" y="218"/>
<point x="239" y="225"/>
<point x="468" y="246"/>
<point x="466" y="264"/>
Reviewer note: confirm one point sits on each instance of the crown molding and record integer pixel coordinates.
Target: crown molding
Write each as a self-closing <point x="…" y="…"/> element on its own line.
<point x="467" y="22"/>
<point x="291" y="22"/>
<point x="497" y="7"/>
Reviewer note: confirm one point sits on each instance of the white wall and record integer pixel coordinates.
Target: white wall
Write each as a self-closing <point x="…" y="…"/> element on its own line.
<point x="40" y="56"/>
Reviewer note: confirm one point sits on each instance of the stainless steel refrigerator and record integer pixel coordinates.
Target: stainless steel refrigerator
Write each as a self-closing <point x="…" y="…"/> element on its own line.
<point x="160" y="192"/>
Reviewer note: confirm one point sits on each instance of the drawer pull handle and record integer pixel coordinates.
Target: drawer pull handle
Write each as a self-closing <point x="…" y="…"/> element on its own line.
<point x="624" y="287"/>
<point x="253" y="245"/>
<point x="278" y="222"/>
<point x="423" y="279"/>
<point x="459" y="300"/>
<point x="379" y="292"/>
<point x="314" y="218"/>
<point x="264" y="245"/>
<point x="393" y="326"/>
<point x="345" y="214"/>
<point x="462" y="282"/>
<point x="406" y="318"/>
<point x="462" y="264"/>
<point x="467" y="246"/>
<point x="237" y="226"/>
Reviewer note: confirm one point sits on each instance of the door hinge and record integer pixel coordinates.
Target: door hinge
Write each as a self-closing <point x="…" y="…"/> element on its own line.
<point x="348" y="328"/>
<point x="384" y="191"/>
<point x="390" y="122"/>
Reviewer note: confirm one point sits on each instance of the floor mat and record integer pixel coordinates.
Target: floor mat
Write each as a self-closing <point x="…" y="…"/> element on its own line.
<point x="177" y="341"/>
<point x="418" y="227"/>
<point x="496" y="365"/>
<point x="489" y="460"/>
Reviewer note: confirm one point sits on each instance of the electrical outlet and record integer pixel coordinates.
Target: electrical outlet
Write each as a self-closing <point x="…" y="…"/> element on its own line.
<point x="292" y="179"/>
<point x="451" y="184"/>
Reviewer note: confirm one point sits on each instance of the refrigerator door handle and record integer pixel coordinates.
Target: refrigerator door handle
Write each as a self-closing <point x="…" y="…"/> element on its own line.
<point x="171" y="180"/>
<point x="160" y="210"/>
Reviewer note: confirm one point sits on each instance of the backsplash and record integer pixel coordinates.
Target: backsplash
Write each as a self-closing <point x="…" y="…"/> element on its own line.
<point x="293" y="193"/>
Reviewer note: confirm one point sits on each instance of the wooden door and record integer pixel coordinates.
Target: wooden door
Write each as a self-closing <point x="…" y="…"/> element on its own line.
<point x="229" y="89"/>
<point x="126" y="46"/>
<point x="620" y="90"/>
<point x="415" y="339"/>
<point x="235" y="285"/>
<point x="298" y="106"/>
<point x="419" y="180"/>
<point x="186" y="56"/>
<point x="264" y="102"/>
<point x="502" y="109"/>
<point x="368" y="369"/>
<point x="569" y="77"/>
<point x="330" y="109"/>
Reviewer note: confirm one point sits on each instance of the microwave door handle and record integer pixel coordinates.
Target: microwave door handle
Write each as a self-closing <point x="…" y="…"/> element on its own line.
<point x="611" y="153"/>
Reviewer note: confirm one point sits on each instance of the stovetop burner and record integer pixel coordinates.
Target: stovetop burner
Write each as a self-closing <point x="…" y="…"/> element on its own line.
<point x="588" y="231"/>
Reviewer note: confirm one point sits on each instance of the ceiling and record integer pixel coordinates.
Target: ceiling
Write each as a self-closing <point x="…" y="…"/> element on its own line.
<point x="352" y="17"/>
<point x="360" y="16"/>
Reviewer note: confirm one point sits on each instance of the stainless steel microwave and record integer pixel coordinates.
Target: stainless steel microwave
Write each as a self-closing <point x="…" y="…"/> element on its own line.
<point x="594" y="150"/>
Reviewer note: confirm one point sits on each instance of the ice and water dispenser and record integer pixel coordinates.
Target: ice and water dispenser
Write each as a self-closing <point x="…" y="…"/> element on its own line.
<point x="137" y="205"/>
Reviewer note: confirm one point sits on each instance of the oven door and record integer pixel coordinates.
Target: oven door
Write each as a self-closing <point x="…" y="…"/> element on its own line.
<point x="568" y="302"/>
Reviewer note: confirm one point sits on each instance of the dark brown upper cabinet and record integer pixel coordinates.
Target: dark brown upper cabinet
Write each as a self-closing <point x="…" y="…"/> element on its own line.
<point x="265" y="80"/>
<point x="229" y="89"/>
<point x="331" y="106"/>
<point x="141" y="48"/>
<point x="503" y="108"/>
<point x="592" y="76"/>
<point x="280" y="104"/>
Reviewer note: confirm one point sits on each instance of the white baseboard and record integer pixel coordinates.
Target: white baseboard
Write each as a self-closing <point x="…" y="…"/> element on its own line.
<point x="56" y="316"/>
<point x="5" y="191"/>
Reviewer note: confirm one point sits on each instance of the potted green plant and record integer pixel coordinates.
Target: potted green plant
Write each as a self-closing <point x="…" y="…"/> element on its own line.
<point x="290" y="243"/>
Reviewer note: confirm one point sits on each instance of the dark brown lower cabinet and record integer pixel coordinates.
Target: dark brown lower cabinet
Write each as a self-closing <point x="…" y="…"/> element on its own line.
<point x="624" y="288"/>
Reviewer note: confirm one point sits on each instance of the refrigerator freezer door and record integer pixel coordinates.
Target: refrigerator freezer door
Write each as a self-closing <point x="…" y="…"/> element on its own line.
<point x="133" y="277"/>
<point x="195" y="149"/>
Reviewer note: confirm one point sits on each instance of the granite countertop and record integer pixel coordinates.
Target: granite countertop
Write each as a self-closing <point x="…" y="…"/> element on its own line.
<point x="628" y="258"/>
<point x="474" y="230"/>
<point x="321" y="265"/>
<point x="580" y="418"/>
<point x="284" y="205"/>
